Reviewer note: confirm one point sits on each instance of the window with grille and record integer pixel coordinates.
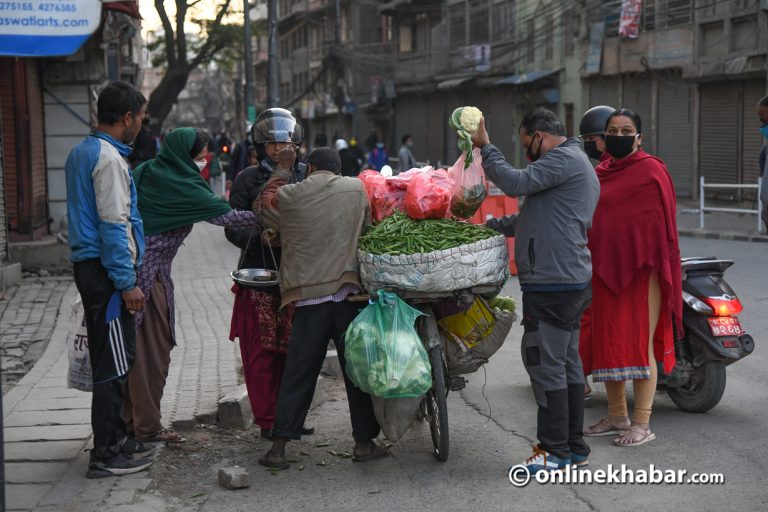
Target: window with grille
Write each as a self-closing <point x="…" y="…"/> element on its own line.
<point x="478" y="22"/>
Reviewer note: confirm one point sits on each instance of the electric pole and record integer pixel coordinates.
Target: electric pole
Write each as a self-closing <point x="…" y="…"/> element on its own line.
<point x="273" y="70"/>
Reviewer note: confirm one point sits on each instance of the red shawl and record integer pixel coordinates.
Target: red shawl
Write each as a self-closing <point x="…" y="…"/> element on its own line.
<point x="635" y="227"/>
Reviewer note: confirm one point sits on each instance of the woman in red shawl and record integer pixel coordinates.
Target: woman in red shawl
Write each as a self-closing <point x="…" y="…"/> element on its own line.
<point x="636" y="283"/>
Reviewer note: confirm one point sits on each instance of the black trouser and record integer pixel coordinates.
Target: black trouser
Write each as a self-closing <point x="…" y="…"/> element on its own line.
<point x="111" y="351"/>
<point x="312" y="328"/>
<point x="550" y="351"/>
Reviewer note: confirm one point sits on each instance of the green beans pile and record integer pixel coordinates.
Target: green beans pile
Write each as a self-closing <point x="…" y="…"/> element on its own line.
<point x="400" y="234"/>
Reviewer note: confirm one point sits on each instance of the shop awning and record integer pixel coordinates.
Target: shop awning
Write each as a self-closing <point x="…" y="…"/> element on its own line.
<point x="453" y="83"/>
<point x="526" y="78"/>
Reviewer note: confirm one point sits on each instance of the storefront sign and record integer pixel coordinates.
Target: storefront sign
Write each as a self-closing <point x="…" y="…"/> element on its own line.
<point x="46" y="28"/>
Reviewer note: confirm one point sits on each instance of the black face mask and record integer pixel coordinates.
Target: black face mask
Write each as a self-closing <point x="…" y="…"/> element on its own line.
<point x="619" y="146"/>
<point x="530" y="155"/>
<point x="590" y="148"/>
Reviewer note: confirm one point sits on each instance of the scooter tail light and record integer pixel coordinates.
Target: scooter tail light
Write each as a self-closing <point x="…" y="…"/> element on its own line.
<point x="724" y="307"/>
<point x="695" y="304"/>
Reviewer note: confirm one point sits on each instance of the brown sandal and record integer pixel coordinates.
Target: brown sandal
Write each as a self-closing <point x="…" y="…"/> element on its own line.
<point x="603" y="428"/>
<point x="377" y="452"/>
<point x="165" y="435"/>
<point x="646" y="436"/>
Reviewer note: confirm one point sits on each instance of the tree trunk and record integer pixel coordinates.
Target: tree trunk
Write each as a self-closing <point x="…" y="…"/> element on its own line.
<point x="162" y="99"/>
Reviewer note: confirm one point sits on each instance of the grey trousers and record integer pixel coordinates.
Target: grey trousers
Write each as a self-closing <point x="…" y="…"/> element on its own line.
<point x="550" y="351"/>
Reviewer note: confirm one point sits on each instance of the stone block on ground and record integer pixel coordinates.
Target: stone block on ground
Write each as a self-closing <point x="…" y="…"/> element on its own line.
<point x="233" y="477"/>
<point x="235" y="409"/>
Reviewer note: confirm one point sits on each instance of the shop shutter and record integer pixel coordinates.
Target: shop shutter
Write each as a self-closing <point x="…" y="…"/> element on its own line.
<point x="39" y="196"/>
<point x="603" y="91"/>
<point x="718" y="132"/>
<point x="752" y="141"/>
<point x="638" y="92"/>
<point x="8" y="113"/>
<point x="675" y="133"/>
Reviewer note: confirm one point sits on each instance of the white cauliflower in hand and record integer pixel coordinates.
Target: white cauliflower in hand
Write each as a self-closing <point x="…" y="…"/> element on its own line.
<point x="470" y="119"/>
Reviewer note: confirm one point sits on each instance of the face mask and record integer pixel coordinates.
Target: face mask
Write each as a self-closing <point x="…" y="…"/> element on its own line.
<point x="619" y="146"/>
<point x="380" y="145"/>
<point x="201" y="164"/>
<point x="764" y="130"/>
<point x="590" y="148"/>
<point x="530" y="155"/>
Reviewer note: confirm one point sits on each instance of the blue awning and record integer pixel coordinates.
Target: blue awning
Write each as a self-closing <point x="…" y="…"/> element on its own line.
<point x="526" y="78"/>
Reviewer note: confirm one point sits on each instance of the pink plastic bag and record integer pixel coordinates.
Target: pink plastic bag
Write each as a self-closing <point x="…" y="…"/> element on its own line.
<point x="468" y="186"/>
<point x="426" y="199"/>
<point x="384" y="198"/>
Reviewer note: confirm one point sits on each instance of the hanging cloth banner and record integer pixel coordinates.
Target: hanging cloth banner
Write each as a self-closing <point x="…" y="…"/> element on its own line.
<point x="47" y="28"/>
<point x="629" y="24"/>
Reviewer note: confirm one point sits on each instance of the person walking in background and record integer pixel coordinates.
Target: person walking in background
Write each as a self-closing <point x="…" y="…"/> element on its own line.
<point x="172" y="196"/>
<point x="405" y="156"/>
<point x="144" y="147"/>
<point x="239" y="160"/>
<point x="261" y="325"/>
<point x="107" y="242"/>
<point x="356" y="151"/>
<point x="350" y="166"/>
<point x="637" y="287"/>
<point x="762" y="112"/>
<point x="378" y="157"/>
<point x="554" y="264"/>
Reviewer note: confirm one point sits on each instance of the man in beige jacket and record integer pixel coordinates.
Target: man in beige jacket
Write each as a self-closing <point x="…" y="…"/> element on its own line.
<point x="319" y="221"/>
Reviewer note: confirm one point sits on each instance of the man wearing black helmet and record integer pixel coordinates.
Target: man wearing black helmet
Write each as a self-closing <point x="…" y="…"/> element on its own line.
<point x="592" y="131"/>
<point x="258" y="321"/>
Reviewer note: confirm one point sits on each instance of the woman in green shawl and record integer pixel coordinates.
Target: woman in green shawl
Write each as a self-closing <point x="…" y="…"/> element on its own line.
<point x="172" y="196"/>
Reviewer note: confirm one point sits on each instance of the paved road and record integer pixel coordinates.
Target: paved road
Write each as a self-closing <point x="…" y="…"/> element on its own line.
<point x="730" y="440"/>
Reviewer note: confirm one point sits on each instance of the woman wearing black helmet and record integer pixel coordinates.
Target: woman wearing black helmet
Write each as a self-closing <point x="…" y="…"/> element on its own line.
<point x="592" y="131"/>
<point x="257" y="320"/>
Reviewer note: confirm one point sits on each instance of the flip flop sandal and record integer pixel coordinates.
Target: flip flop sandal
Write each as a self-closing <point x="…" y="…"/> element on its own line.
<point x="646" y="436"/>
<point x="165" y="435"/>
<point x="603" y="428"/>
<point x="378" y="452"/>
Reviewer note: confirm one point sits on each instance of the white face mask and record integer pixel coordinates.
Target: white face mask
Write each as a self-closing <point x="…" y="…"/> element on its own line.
<point x="201" y="164"/>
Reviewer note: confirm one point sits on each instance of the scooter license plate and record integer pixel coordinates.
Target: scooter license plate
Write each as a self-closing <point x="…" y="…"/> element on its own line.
<point x="725" y="326"/>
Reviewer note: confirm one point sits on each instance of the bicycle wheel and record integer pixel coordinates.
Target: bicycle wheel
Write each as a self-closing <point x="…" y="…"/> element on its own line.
<point x="437" y="406"/>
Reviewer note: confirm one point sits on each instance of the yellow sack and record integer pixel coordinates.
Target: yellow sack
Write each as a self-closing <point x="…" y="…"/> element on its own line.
<point x="470" y="325"/>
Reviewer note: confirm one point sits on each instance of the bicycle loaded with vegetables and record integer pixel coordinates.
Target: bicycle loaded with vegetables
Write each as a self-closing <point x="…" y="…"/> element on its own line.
<point x="555" y="271"/>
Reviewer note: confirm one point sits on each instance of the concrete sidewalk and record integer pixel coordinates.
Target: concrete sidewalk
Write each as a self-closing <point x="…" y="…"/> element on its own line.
<point x="47" y="426"/>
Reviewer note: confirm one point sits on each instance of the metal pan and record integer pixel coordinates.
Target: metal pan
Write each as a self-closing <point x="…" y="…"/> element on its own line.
<point x="254" y="277"/>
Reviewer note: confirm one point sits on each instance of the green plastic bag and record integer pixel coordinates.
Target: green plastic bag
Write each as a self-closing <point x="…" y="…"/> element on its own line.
<point x="385" y="356"/>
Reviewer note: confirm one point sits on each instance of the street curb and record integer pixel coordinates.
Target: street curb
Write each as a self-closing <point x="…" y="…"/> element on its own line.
<point x="234" y="409"/>
<point x="728" y="235"/>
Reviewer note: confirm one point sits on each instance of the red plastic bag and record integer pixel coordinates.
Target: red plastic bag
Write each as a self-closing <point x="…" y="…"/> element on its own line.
<point x="384" y="198"/>
<point x="468" y="186"/>
<point x="425" y="199"/>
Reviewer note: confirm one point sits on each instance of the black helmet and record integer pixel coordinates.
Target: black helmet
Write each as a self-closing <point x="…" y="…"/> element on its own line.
<point x="594" y="120"/>
<point x="276" y="125"/>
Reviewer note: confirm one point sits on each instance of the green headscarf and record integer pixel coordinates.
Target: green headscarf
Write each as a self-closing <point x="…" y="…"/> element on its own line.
<point x="171" y="192"/>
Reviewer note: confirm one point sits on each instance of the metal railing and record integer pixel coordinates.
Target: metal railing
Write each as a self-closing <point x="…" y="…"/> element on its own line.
<point x="702" y="209"/>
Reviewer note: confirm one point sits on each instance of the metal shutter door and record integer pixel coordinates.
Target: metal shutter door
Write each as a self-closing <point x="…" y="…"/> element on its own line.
<point x="637" y="97"/>
<point x="675" y="129"/>
<point x="752" y="140"/>
<point x="603" y="91"/>
<point x="718" y="132"/>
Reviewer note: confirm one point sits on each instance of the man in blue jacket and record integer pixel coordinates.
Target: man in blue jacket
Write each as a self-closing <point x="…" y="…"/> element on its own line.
<point x="107" y="241"/>
<point x="555" y="272"/>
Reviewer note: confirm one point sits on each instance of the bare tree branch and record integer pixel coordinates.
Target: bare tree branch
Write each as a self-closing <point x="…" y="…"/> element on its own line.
<point x="206" y="48"/>
<point x="192" y="4"/>
<point x="181" y="36"/>
<point x="170" y="39"/>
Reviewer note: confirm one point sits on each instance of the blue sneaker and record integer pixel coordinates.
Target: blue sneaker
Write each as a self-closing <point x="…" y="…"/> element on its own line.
<point x="542" y="460"/>
<point x="579" y="460"/>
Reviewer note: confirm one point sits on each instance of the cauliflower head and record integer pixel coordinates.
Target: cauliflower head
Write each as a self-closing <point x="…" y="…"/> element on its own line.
<point x="470" y="118"/>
